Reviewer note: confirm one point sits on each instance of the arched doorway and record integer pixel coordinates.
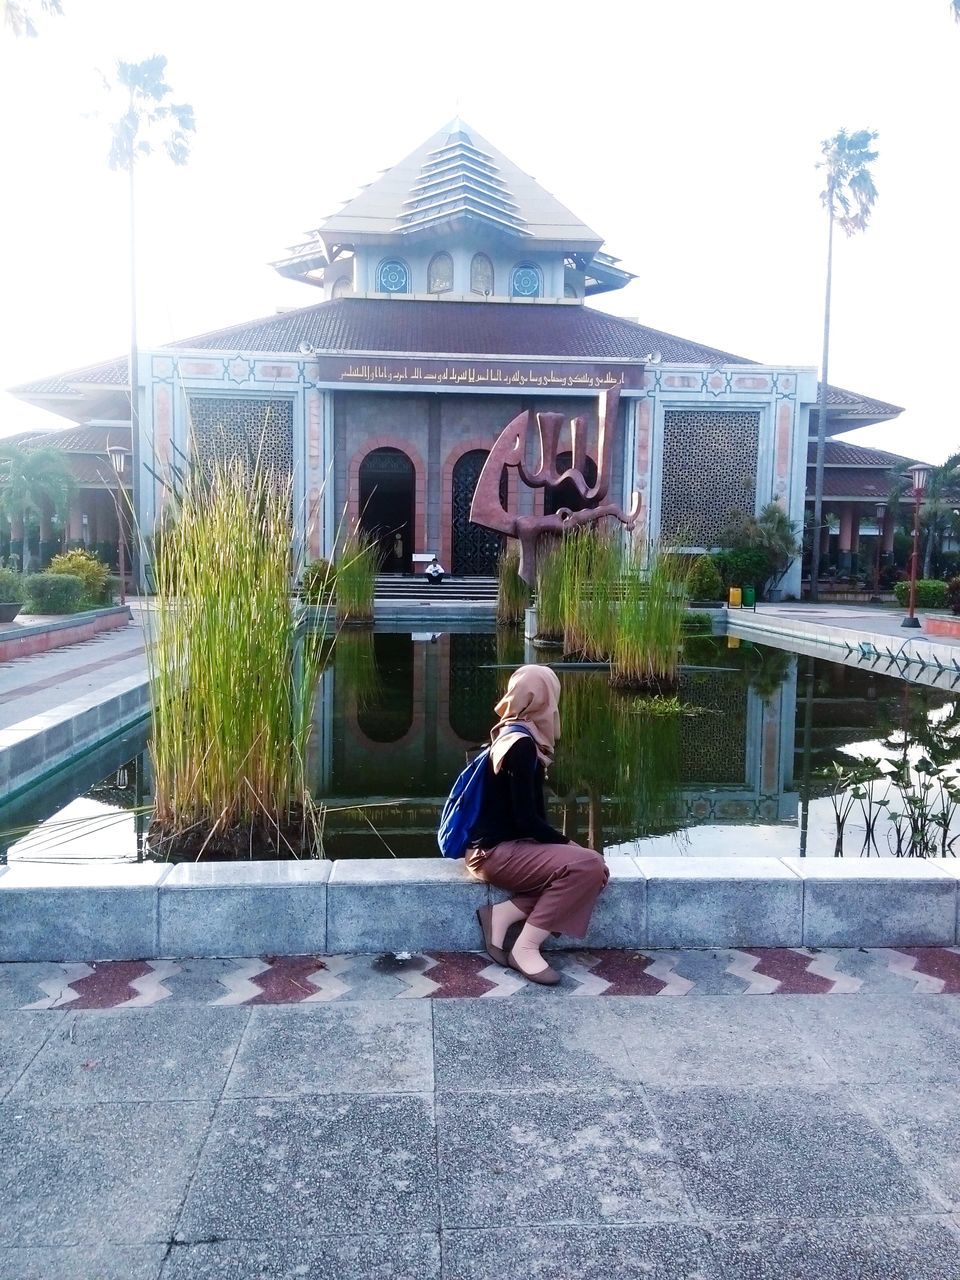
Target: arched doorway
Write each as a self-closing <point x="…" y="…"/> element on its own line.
<point x="475" y="549"/>
<point x="387" y="487"/>
<point x="565" y="495"/>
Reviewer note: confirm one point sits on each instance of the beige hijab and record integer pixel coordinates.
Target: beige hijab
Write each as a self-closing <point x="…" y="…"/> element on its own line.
<point x="531" y="700"/>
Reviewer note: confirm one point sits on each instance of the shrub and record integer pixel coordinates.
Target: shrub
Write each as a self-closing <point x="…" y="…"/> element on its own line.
<point x="316" y="583"/>
<point x="11" y="587"/>
<point x="698" y="621"/>
<point x="749" y="567"/>
<point x="953" y="594"/>
<point x="704" y="581"/>
<point x="931" y="593"/>
<point x="54" y="593"/>
<point x="93" y="573"/>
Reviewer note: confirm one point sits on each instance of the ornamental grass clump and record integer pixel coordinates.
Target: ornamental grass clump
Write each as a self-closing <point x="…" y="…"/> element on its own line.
<point x="93" y="573"/>
<point x="231" y="686"/>
<point x="649" y="634"/>
<point x="592" y="564"/>
<point x="513" y="595"/>
<point x="355" y="578"/>
<point x="550" y="591"/>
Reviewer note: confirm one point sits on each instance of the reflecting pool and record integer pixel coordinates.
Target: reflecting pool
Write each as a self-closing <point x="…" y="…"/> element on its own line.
<point x="771" y="753"/>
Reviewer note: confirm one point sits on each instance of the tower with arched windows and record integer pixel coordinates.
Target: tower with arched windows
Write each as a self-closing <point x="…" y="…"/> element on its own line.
<point x="456" y="220"/>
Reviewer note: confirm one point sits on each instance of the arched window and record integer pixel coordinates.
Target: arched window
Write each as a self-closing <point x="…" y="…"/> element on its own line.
<point x="570" y="291"/>
<point x="481" y="275"/>
<point x="393" y="277"/>
<point x="526" y="281"/>
<point x="343" y="287"/>
<point x="440" y="273"/>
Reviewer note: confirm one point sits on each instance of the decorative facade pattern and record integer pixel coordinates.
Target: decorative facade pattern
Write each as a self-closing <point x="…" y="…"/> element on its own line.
<point x="255" y="429"/>
<point x="709" y="468"/>
<point x="481" y="275"/>
<point x="526" y="281"/>
<point x="393" y="277"/>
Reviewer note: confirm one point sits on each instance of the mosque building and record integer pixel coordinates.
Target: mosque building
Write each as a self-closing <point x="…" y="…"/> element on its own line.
<point x="453" y="293"/>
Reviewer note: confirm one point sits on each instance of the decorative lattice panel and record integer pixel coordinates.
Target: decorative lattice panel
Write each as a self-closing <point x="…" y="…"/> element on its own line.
<point x="257" y="430"/>
<point x="709" y="468"/>
<point x="476" y="550"/>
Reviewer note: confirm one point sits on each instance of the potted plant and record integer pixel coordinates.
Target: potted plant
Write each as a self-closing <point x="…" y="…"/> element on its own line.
<point x="11" y="595"/>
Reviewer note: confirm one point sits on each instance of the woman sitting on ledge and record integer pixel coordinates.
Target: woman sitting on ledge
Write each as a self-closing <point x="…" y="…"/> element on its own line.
<point x="554" y="882"/>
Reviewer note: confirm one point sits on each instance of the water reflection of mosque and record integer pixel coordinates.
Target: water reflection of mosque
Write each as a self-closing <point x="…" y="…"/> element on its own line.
<point x="398" y="714"/>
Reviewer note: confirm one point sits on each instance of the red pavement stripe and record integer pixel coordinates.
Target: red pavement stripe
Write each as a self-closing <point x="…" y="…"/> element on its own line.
<point x="65" y="679"/>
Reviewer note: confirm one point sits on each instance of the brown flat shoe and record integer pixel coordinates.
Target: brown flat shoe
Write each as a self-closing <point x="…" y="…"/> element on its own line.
<point x="496" y="954"/>
<point x="544" y="977"/>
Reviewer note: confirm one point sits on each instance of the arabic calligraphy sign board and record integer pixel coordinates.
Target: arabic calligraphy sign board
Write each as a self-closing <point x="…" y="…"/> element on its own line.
<point x="494" y="375"/>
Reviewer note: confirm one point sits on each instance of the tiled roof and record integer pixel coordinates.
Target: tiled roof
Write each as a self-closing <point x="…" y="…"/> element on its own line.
<point x="837" y="453"/>
<point x="385" y="325"/>
<point x="484" y="183"/>
<point x="857" y="405"/>
<point x="842" y="482"/>
<point x="86" y="439"/>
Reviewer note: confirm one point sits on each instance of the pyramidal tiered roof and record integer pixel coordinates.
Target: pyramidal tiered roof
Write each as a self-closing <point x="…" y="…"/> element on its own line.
<point x="455" y="174"/>
<point x="460" y="178"/>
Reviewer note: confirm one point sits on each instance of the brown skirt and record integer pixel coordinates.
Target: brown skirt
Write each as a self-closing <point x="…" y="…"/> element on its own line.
<point x="556" y="885"/>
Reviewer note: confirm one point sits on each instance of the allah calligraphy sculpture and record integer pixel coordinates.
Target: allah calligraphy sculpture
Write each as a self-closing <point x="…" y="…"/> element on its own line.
<point x="510" y="450"/>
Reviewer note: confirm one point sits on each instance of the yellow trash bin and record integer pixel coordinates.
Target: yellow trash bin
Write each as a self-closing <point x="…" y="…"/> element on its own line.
<point x="735" y="598"/>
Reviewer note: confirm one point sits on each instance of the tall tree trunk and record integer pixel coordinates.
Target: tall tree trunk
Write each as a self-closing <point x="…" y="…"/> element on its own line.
<point x="18" y="542"/>
<point x="822" y="418"/>
<point x="47" y="548"/>
<point x="928" y="551"/>
<point x="134" y="382"/>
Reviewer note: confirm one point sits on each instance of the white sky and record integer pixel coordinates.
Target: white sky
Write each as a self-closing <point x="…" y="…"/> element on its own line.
<point x="684" y="131"/>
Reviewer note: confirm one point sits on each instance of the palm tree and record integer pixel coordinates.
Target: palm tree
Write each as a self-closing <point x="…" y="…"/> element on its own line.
<point x="149" y="122"/>
<point x="18" y="15"/>
<point x="938" y="514"/>
<point x="33" y="481"/>
<point x="849" y="197"/>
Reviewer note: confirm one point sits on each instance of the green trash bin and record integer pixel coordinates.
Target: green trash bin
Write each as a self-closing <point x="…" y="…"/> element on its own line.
<point x="749" y="598"/>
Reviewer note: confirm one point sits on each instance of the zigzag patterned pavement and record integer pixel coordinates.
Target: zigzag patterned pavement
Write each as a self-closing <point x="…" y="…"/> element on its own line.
<point x="273" y="980"/>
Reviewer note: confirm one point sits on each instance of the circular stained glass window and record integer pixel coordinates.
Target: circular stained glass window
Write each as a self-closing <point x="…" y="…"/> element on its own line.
<point x="526" y="282"/>
<point x="392" y="277"/>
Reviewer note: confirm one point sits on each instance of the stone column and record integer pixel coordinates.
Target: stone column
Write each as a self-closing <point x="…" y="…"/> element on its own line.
<point x="825" y="545"/>
<point x="846" y="540"/>
<point x="75" y="521"/>
<point x="854" y="540"/>
<point x="889" y="529"/>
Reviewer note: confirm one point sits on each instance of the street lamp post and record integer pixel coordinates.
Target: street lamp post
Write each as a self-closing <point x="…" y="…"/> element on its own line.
<point x="118" y="460"/>
<point x="881" y="512"/>
<point x="918" y="476"/>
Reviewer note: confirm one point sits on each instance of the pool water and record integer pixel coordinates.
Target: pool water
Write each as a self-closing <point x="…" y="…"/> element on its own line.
<point x="758" y="763"/>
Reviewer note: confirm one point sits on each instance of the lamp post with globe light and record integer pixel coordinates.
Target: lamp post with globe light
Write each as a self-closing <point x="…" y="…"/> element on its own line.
<point x="118" y="460"/>
<point x="919" y="474"/>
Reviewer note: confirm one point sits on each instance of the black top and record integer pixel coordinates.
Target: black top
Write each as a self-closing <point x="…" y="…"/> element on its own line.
<point x="513" y="807"/>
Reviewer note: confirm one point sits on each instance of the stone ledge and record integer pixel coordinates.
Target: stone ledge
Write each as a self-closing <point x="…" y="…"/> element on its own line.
<point x="25" y="639"/>
<point x="141" y="912"/>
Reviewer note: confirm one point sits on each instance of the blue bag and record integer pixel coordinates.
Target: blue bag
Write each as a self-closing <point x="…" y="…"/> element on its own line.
<point x="463" y="805"/>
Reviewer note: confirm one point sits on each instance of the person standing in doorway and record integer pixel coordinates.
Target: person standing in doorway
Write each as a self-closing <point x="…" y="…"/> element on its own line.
<point x="554" y="883"/>
<point x="398" y="550"/>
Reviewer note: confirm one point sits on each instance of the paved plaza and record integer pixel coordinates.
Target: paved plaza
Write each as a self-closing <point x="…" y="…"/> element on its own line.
<point x="350" y="1117"/>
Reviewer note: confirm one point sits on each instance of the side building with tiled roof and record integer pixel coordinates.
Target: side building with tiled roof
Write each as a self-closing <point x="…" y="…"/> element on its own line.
<point x="454" y="296"/>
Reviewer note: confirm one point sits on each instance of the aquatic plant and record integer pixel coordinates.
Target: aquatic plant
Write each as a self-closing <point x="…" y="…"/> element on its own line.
<point x="231" y="688"/>
<point x="513" y="595"/>
<point x="549" y="595"/>
<point x="591" y="567"/>
<point x="647" y="640"/>
<point x="355" y="578"/>
<point x="355" y="663"/>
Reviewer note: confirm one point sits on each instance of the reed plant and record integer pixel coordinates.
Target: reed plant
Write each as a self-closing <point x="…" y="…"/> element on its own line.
<point x="550" y="590"/>
<point x="591" y="567"/>
<point x="648" y="638"/>
<point x="355" y="578"/>
<point x="355" y="663"/>
<point x="231" y="687"/>
<point x="513" y="595"/>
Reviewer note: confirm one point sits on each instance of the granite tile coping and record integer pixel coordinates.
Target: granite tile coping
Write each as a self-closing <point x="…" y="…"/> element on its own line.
<point x="715" y="868"/>
<point x="265" y="874"/>
<point x="45" y="720"/>
<point x="60" y="875"/>
<point x="395" y="871"/>
<point x="866" y="869"/>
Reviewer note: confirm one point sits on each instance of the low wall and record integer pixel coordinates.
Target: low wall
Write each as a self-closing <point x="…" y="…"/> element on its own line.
<point x="149" y="910"/>
<point x="25" y="639"/>
<point x="942" y="625"/>
<point x="34" y="747"/>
